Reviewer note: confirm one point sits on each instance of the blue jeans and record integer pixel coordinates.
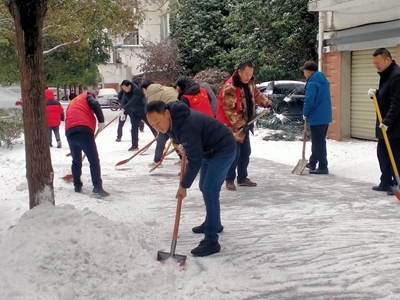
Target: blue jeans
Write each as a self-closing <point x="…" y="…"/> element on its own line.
<point x="212" y="176"/>
<point x="241" y="161"/>
<point x="84" y="141"/>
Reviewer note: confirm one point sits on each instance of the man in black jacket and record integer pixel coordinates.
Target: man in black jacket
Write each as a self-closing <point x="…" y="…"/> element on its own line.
<point x="133" y="103"/>
<point x="388" y="97"/>
<point x="210" y="146"/>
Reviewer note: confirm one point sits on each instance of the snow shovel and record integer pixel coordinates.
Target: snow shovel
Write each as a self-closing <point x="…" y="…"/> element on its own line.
<point x="162" y="157"/>
<point x="396" y="188"/>
<point x="163" y="256"/>
<point x="122" y="162"/>
<point x="302" y="163"/>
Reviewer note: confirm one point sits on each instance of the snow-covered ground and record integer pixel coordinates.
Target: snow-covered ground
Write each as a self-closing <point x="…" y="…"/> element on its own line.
<point x="291" y="237"/>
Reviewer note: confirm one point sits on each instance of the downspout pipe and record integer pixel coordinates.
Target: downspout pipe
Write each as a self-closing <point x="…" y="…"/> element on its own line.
<point x="321" y="30"/>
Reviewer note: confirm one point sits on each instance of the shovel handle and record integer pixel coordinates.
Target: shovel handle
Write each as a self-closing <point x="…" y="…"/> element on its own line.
<point x="178" y="206"/>
<point x="385" y="137"/>
<point x="303" y="153"/>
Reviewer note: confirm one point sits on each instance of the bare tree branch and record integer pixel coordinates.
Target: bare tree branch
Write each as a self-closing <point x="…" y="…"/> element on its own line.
<point x="59" y="47"/>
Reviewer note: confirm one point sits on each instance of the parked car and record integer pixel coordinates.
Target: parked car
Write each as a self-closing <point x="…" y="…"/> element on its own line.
<point x="106" y="97"/>
<point x="9" y="99"/>
<point x="15" y="89"/>
<point x="287" y="96"/>
<point x="63" y="96"/>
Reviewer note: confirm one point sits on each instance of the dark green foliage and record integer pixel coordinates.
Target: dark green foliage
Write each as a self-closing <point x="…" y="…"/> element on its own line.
<point x="11" y="126"/>
<point x="277" y="35"/>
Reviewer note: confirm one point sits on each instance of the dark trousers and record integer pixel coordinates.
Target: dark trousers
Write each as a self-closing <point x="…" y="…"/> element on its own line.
<point x="212" y="174"/>
<point x="161" y="141"/>
<point x="120" y="126"/>
<point x="135" y="122"/>
<point x="241" y="161"/>
<point x="56" y="130"/>
<point x="84" y="141"/>
<point x="387" y="176"/>
<point x="318" y="146"/>
<point x="141" y="126"/>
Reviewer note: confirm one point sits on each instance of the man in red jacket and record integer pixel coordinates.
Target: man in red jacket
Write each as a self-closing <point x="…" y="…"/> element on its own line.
<point x="80" y="125"/>
<point x="55" y="114"/>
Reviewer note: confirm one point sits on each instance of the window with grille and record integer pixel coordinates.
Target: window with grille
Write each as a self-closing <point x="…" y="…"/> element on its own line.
<point x="132" y="38"/>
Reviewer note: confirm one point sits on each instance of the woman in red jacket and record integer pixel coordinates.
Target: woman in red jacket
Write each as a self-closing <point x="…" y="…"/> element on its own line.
<point x="55" y="114"/>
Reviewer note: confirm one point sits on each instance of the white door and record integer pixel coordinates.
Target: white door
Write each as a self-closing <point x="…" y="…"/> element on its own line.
<point x="363" y="77"/>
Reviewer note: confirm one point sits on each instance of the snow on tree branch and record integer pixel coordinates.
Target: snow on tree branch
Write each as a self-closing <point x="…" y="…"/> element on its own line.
<point x="59" y="47"/>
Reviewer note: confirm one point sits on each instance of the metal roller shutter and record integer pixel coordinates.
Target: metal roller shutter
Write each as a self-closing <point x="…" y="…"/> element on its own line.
<point x="363" y="77"/>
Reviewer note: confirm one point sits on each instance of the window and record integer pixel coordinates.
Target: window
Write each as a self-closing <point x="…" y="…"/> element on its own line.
<point x="132" y="38"/>
<point x="164" y="26"/>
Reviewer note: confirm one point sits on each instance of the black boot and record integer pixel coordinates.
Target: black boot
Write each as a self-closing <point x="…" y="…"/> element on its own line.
<point x="99" y="191"/>
<point x="206" y="248"/>
<point x="200" y="228"/>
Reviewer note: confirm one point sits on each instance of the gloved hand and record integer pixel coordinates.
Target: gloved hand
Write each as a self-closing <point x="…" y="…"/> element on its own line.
<point x="122" y="117"/>
<point x="384" y="126"/>
<point x="245" y="127"/>
<point x="304" y="117"/>
<point x="121" y="112"/>
<point x="101" y="126"/>
<point x="371" y="92"/>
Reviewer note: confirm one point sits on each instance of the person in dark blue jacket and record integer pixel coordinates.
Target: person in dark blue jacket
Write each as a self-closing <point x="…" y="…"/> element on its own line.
<point x="134" y="105"/>
<point x="209" y="145"/>
<point x="317" y="110"/>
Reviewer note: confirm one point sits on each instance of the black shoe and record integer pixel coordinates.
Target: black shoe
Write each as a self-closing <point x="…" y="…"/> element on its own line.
<point x="310" y="167"/>
<point x="390" y="193"/>
<point x="200" y="229"/>
<point x="382" y="188"/>
<point x="100" y="192"/>
<point x="78" y="189"/>
<point x="133" y="149"/>
<point x="319" y="171"/>
<point x="118" y="140"/>
<point x="206" y="248"/>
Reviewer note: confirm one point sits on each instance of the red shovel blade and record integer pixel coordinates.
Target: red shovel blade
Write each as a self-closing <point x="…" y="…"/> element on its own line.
<point x="68" y="177"/>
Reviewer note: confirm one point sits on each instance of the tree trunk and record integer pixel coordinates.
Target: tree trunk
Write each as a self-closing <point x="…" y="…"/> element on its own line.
<point x="28" y="18"/>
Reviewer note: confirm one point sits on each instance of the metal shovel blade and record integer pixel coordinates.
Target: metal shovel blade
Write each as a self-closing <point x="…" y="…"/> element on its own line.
<point x="396" y="191"/>
<point x="164" y="256"/>
<point x="299" y="168"/>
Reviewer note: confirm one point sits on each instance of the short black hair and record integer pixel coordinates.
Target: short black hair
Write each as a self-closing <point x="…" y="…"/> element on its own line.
<point x="382" y="51"/>
<point x="244" y="64"/>
<point x="145" y="84"/>
<point x="156" y="106"/>
<point x="182" y="83"/>
<point x="126" y="82"/>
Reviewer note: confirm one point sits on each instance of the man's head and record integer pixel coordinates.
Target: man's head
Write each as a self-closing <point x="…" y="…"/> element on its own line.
<point x="181" y="84"/>
<point x="245" y="71"/>
<point x="145" y="84"/>
<point x="126" y="85"/>
<point x="309" y="68"/>
<point x="158" y="116"/>
<point x="382" y="59"/>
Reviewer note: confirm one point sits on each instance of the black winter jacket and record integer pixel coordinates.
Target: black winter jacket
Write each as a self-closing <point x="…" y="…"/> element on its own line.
<point x="200" y="135"/>
<point x="134" y="101"/>
<point x="389" y="101"/>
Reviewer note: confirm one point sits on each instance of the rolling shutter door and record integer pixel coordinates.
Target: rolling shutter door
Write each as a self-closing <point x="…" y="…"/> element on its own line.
<point x="363" y="77"/>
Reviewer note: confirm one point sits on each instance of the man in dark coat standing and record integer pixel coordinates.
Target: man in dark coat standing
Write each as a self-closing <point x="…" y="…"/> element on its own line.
<point x="133" y="104"/>
<point x="211" y="147"/>
<point x="388" y="97"/>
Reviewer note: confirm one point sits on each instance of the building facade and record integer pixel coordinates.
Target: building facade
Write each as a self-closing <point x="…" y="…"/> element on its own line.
<point x="350" y="31"/>
<point x="124" y="62"/>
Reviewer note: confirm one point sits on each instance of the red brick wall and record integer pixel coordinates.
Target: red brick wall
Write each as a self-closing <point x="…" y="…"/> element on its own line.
<point x="398" y="54"/>
<point x="111" y="86"/>
<point x="332" y="69"/>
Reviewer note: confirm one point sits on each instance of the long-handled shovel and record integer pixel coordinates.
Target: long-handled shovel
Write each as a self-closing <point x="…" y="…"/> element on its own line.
<point x="163" y="256"/>
<point x="396" y="188"/>
<point x="302" y="163"/>
<point x="98" y="131"/>
<point x="265" y="111"/>
<point x="122" y="162"/>
<point x="162" y="157"/>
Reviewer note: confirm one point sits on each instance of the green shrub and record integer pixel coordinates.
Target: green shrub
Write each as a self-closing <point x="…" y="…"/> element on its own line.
<point x="11" y="125"/>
